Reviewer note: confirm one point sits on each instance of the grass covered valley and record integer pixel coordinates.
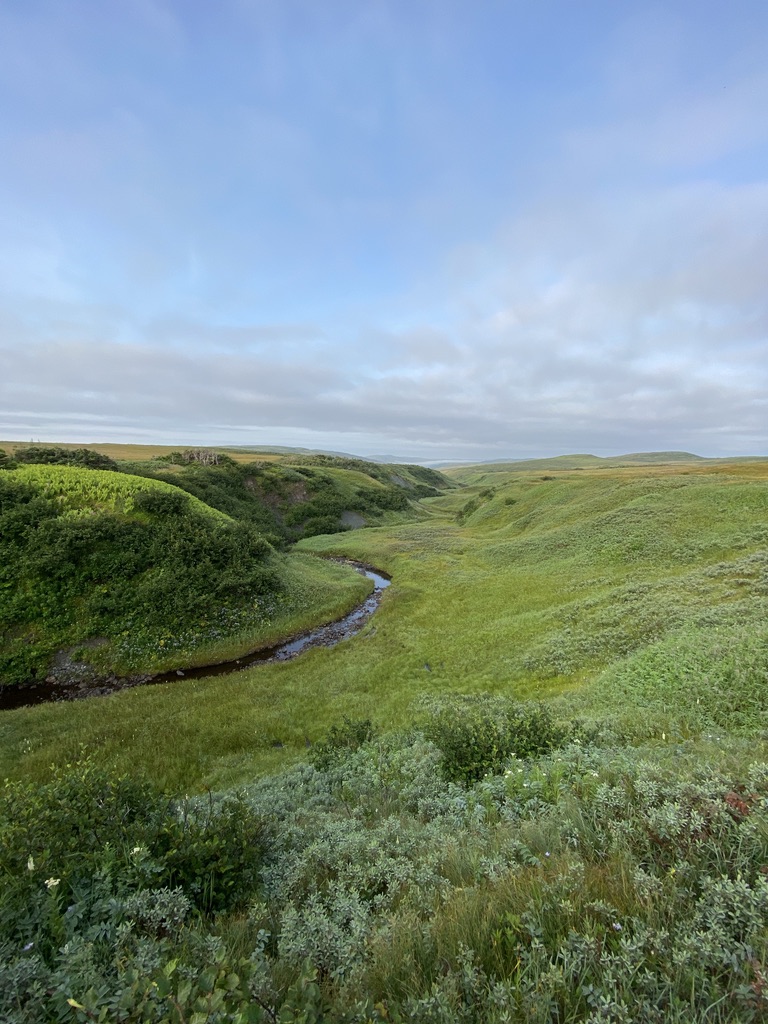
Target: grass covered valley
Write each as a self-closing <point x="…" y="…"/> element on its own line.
<point x="175" y="561"/>
<point x="534" y="787"/>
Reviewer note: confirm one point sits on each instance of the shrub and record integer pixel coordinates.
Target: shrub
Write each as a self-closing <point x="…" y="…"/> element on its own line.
<point x="341" y="739"/>
<point x="162" y="504"/>
<point x="90" y="834"/>
<point x="321" y="524"/>
<point x="212" y="851"/>
<point x="86" y="458"/>
<point x="476" y="736"/>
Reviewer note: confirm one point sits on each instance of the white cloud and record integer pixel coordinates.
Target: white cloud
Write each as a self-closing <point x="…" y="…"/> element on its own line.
<point x="210" y="265"/>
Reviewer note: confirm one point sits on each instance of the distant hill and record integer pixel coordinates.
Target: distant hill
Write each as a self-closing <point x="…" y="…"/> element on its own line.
<point x="585" y="461"/>
<point x="279" y="449"/>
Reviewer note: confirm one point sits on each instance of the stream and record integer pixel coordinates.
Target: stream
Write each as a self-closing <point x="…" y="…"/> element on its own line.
<point x="26" y="694"/>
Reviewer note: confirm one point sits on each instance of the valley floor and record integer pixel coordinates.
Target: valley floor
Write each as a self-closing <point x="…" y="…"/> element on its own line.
<point x="534" y="788"/>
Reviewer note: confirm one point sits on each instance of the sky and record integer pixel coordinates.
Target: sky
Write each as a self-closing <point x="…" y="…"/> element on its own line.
<point x="424" y="230"/>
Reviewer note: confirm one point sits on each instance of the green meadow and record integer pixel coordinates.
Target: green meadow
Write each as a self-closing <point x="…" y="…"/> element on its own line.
<point x="569" y="588"/>
<point x="533" y="788"/>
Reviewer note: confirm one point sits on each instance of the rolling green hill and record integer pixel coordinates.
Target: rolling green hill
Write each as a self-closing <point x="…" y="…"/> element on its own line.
<point x="299" y="496"/>
<point x="139" y="574"/>
<point x="559" y="462"/>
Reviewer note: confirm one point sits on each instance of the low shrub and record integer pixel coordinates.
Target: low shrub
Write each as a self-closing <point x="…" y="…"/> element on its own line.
<point x="85" y="458"/>
<point x="341" y="739"/>
<point x="90" y="835"/>
<point x="477" y="736"/>
<point x="595" y="883"/>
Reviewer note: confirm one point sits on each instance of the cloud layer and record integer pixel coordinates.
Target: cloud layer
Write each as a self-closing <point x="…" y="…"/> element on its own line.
<point x="258" y="264"/>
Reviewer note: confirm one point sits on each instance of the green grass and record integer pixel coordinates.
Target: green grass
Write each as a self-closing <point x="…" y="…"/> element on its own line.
<point x="674" y="460"/>
<point x="548" y="589"/>
<point x="314" y="591"/>
<point x="612" y="868"/>
<point x="81" y="491"/>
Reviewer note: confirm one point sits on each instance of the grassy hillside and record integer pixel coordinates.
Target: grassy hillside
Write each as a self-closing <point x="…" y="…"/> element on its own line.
<point x="300" y="496"/>
<point x="531" y="587"/>
<point x="286" y="495"/>
<point x="446" y="853"/>
<point x="571" y="462"/>
<point x="139" y="576"/>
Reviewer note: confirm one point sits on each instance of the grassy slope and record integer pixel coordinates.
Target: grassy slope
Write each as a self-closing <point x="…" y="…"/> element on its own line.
<point x="294" y="496"/>
<point x="310" y="592"/>
<point x="90" y="490"/>
<point x="545" y="587"/>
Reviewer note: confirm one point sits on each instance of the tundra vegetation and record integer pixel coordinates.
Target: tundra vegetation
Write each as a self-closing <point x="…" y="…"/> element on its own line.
<point x="114" y="564"/>
<point x="534" y="788"/>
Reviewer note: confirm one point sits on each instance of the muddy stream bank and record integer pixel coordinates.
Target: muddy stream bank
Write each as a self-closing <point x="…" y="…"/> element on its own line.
<point x="52" y="689"/>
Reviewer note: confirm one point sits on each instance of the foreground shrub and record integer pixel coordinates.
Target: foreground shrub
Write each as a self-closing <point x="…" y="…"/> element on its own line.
<point x="89" y="838"/>
<point x="477" y="736"/>
<point x="341" y="739"/>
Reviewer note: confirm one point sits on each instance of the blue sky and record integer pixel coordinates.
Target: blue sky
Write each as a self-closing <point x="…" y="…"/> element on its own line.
<point x="418" y="229"/>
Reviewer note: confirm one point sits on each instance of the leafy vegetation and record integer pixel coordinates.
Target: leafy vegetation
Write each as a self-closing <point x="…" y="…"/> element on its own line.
<point x="138" y="565"/>
<point x="477" y="736"/>
<point x="299" y="496"/>
<point x="599" y="882"/>
<point x="534" y="788"/>
<point x="51" y="455"/>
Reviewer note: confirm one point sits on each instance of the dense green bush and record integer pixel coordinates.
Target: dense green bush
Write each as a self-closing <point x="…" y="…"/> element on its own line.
<point x="477" y="736"/>
<point x="89" y="827"/>
<point x="341" y="739"/>
<point x="100" y="873"/>
<point x="392" y="498"/>
<point x="85" y="458"/>
<point x="318" y="525"/>
<point x="66" y="576"/>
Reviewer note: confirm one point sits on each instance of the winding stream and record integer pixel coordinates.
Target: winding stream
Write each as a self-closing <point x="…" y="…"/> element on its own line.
<point x="27" y="694"/>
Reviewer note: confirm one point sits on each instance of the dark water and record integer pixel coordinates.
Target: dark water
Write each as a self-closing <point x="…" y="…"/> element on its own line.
<point x="26" y="694"/>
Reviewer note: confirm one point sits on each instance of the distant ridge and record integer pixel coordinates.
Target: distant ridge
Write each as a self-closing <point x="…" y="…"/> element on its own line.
<point x="277" y="449"/>
<point x="585" y="461"/>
